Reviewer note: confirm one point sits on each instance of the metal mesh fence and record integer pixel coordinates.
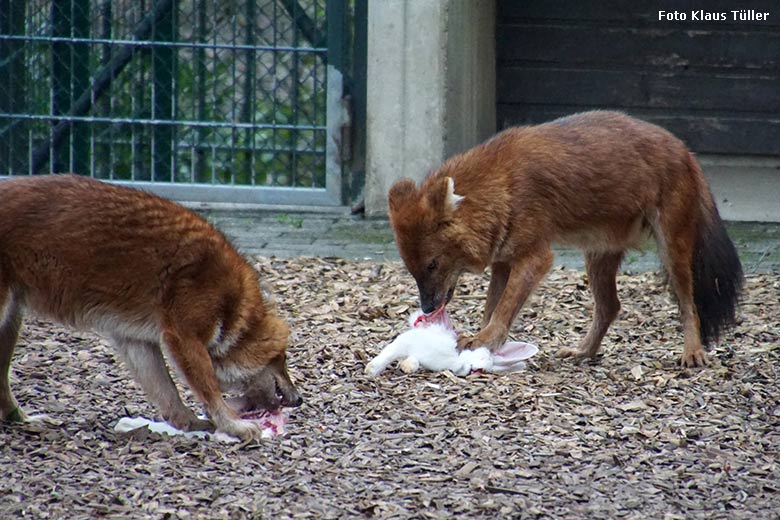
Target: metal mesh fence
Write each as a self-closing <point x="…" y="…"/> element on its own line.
<point x="185" y="91"/>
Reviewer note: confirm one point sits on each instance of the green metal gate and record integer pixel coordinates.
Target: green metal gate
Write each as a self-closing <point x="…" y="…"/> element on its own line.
<point x="198" y="100"/>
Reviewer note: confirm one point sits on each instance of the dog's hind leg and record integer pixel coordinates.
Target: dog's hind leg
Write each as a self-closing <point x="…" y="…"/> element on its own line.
<point x="602" y="271"/>
<point x="147" y="366"/>
<point x="10" y="322"/>
<point x="676" y="242"/>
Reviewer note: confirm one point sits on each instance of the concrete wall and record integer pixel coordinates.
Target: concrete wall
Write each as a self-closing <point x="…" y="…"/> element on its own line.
<point x="744" y="188"/>
<point x="471" y="75"/>
<point x="431" y="87"/>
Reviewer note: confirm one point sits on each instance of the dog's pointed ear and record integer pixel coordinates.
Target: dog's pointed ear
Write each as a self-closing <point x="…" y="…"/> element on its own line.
<point x="442" y="196"/>
<point x="452" y="199"/>
<point x="401" y="193"/>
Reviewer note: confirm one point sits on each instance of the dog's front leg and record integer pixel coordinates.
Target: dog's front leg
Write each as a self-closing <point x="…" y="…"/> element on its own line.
<point x="524" y="275"/>
<point x="194" y="362"/>
<point x="146" y="363"/>
<point x="499" y="275"/>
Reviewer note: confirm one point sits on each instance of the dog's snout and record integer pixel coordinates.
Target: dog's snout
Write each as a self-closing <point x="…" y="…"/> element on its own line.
<point x="293" y="400"/>
<point x="427" y="307"/>
<point x="427" y="298"/>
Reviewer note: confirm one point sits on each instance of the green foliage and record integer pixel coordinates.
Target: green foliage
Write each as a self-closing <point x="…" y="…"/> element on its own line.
<point x="222" y="88"/>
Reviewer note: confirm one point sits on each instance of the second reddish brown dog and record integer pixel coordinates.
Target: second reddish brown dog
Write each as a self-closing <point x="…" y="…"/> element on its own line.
<point x="601" y="181"/>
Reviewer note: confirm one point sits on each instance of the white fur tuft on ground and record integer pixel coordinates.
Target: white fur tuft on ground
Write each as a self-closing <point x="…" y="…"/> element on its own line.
<point x="273" y="426"/>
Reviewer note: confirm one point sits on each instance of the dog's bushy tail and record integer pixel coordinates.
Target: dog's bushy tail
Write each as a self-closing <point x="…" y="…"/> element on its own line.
<point x="717" y="272"/>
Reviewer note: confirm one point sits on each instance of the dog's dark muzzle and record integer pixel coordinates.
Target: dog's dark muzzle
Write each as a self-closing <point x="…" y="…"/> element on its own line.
<point x="290" y="398"/>
<point x="432" y="300"/>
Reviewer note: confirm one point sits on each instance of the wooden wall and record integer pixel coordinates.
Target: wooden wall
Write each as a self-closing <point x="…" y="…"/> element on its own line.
<point x="714" y="84"/>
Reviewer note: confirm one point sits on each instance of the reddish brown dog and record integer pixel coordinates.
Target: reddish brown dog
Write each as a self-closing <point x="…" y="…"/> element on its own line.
<point x="600" y="181"/>
<point x="146" y="273"/>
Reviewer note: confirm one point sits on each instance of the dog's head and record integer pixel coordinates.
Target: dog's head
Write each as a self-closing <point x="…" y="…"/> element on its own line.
<point x="256" y="369"/>
<point x="426" y="232"/>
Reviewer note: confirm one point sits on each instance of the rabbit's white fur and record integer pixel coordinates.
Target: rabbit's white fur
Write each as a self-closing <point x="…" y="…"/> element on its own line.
<point x="434" y="347"/>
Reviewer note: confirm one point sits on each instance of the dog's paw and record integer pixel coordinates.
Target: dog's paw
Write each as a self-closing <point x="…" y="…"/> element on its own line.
<point x="245" y="430"/>
<point x="16" y="415"/>
<point x="694" y="358"/>
<point x="201" y="425"/>
<point x="492" y="337"/>
<point x="191" y="423"/>
<point x="576" y="354"/>
<point x="465" y="342"/>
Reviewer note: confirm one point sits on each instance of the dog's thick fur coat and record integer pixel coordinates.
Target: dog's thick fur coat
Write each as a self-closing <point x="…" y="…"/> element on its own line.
<point x="146" y="273"/>
<point x="596" y="180"/>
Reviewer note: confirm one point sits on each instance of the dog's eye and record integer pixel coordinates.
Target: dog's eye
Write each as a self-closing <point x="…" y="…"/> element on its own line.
<point x="433" y="265"/>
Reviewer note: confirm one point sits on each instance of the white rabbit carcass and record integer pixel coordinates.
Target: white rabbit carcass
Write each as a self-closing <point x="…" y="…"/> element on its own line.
<point x="432" y="343"/>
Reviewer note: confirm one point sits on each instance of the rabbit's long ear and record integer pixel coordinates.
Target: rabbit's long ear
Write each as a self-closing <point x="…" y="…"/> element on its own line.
<point x="513" y="351"/>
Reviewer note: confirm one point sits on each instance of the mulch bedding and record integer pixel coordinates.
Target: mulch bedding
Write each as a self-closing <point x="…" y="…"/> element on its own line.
<point x="630" y="435"/>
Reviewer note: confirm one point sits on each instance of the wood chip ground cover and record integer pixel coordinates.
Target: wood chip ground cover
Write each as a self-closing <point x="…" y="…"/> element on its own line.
<point x="628" y="436"/>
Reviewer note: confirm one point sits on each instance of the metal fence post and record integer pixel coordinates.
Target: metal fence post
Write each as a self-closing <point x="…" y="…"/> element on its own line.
<point x="80" y="151"/>
<point x="199" y="173"/>
<point x="248" y="108"/>
<point x="336" y="15"/>
<point x="163" y="64"/>
<point x="61" y="56"/>
<point x="357" y="92"/>
<point x="13" y="78"/>
<point x="70" y="79"/>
